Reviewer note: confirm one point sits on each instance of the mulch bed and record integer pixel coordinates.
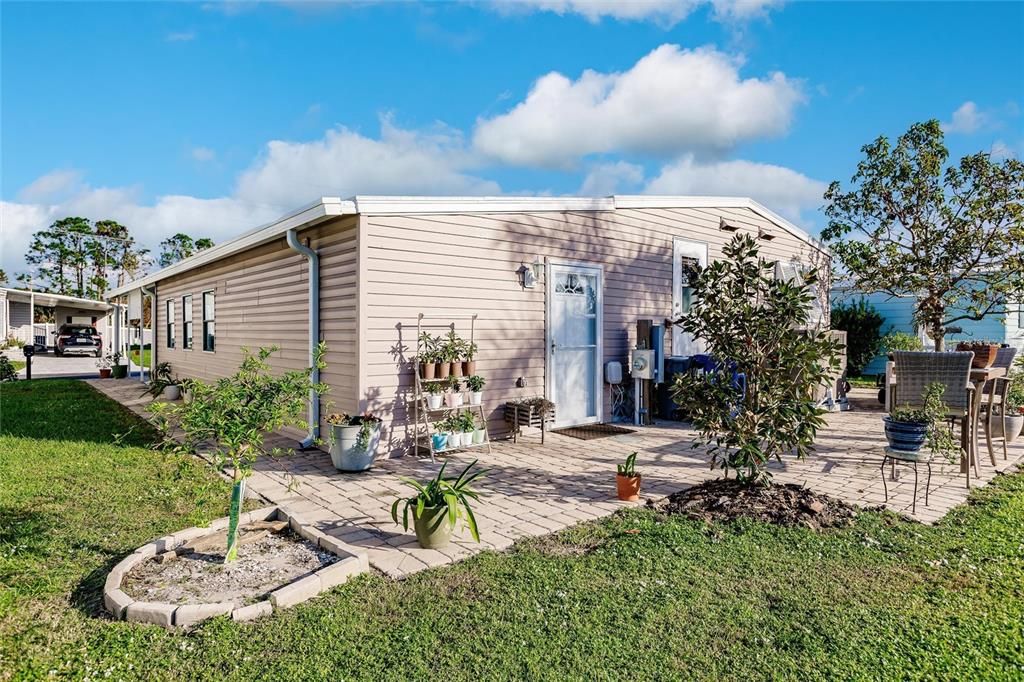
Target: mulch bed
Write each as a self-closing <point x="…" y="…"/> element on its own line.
<point x="785" y="505"/>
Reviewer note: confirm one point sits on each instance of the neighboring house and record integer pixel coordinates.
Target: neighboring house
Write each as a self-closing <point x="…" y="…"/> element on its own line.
<point x="602" y="264"/>
<point x="1006" y="326"/>
<point x="16" y="317"/>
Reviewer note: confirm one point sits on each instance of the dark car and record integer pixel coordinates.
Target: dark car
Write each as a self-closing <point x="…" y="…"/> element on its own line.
<point x="78" y="338"/>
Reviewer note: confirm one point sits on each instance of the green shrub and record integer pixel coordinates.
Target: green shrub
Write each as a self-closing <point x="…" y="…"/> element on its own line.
<point x="894" y="341"/>
<point x="863" y="327"/>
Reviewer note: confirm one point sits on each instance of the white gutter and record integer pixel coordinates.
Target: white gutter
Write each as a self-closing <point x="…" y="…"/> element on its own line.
<point x="314" y="333"/>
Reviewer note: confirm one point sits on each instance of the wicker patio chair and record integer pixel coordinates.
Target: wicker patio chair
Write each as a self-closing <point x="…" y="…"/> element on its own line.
<point x="915" y="372"/>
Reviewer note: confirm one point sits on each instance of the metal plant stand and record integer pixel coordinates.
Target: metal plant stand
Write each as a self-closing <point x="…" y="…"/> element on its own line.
<point x="910" y="459"/>
<point x="424" y="416"/>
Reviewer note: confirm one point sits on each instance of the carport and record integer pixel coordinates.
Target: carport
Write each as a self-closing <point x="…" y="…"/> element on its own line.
<point x="17" y="317"/>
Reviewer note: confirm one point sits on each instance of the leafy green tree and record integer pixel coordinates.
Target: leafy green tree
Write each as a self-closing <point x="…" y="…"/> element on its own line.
<point x="754" y="324"/>
<point x="949" y="236"/>
<point x="59" y="254"/>
<point x="181" y="246"/>
<point x="230" y="418"/>
<point x="863" y="327"/>
<point x="3" y="277"/>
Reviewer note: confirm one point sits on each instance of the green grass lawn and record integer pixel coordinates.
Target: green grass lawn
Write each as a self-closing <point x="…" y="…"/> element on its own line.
<point x="632" y="597"/>
<point x="146" y="354"/>
<point x="863" y="382"/>
<point x="18" y="365"/>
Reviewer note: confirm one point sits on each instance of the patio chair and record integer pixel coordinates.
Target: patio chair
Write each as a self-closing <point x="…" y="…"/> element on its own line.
<point x="915" y="372"/>
<point x="995" y="394"/>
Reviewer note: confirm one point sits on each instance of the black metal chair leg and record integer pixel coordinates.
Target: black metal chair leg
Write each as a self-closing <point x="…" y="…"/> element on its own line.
<point x="913" y="506"/>
<point x="884" y="486"/>
<point x="928" y="484"/>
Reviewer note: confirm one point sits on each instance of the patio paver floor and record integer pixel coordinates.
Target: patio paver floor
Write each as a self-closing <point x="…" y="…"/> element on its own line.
<point x="533" y="489"/>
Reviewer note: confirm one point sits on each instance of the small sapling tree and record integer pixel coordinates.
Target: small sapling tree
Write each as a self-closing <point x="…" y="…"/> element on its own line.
<point x="754" y="325"/>
<point x="230" y="418"/>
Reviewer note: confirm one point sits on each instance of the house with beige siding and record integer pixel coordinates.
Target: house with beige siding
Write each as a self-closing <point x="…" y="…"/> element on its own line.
<point x="357" y="273"/>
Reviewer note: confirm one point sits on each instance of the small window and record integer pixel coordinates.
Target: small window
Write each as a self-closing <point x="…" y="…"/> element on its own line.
<point x="186" y="321"/>
<point x="209" y="330"/>
<point x="170" y="324"/>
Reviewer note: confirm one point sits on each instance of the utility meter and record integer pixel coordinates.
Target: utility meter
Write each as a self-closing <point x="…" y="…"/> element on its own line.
<point x="642" y="366"/>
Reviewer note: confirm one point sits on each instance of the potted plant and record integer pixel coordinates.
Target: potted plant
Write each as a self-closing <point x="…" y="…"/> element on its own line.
<point x="469" y="359"/>
<point x="479" y="432"/>
<point x="452" y="350"/>
<point x="439" y="440"/>
<point x="467" y="424"/>
<point x="187" y="389"/>
<point x="475" y="384"/>
<point x="627" y="480"/>
<point x="435" y="394"/>
<point x="1013" y="410"/>
<point x="163" y="383"/>
<point x="103" y="363"/>
<point x="428" y="356"/>
<point x="438" y="505"/>
<point x="454" y="396"/>
<point x="984" y="352"/>
<point x="908" y="429"/>
<point x="117" y="369"/>
<point x="354" y="440"/>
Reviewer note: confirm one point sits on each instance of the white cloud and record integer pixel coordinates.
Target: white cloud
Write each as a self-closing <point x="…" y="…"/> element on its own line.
<point x="667" y="13"/>
<point x="781" y="189"/>
<point x="289" y="174"/>
<point x="202" y="154"/>
<point x="52" y="186"/>
<point x="1000" y="150"/>
<point x="608" y="178"/>
<point x="180" y="36"/>
<point x="345" y="162"/>
<point x="672" y="100"/>
<point x="967" y="119"/>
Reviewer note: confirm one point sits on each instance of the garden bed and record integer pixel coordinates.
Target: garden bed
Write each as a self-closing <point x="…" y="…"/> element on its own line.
<point x="785" y="505"/>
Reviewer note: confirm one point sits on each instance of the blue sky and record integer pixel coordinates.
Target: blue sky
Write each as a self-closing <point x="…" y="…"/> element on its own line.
<point x="211" y="118"/>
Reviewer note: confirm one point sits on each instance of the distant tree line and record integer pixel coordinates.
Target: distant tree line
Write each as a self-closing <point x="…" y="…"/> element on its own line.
<point x="77" y="257"/>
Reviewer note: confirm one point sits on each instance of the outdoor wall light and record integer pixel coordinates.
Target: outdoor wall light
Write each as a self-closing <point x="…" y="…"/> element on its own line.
<point x="530" y="274"/>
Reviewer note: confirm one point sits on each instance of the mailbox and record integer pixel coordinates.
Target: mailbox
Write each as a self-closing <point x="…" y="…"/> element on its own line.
<point x="29" y="350"/>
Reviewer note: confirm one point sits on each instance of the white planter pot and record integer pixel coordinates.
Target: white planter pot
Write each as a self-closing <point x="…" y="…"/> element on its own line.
<point x="171" y="392"/>
<point x="476" y="398"/>
<point x="434" y="401"/>
<point x="346" y="453"/>
<point x="467" y="438"/>
<point x="454" y="399"/>
<point x="479" y="436"/>
<point x="186" y="396"/>
<point x="1014" y="425"/>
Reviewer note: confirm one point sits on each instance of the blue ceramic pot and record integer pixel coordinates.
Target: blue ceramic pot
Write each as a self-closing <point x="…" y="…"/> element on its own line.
<point x="440" y="440"/>
<point x="905" y="436"/>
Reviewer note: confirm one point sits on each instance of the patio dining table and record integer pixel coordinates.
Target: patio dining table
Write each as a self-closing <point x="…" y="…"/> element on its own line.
<point x="969" y="437"/>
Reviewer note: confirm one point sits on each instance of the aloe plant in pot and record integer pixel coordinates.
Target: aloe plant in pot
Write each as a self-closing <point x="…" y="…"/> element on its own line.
<point x="427" y="358"/>
<point x="627" y="480"/>
<point x="354" y="440"/>
<point x="475" y="384"/>
<point x="452" y="349"/>
<point x="438" y="505"/>
<point x="469" y="358"/>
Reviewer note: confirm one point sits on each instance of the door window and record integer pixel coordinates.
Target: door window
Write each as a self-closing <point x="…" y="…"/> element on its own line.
<point x="688" y="258"/>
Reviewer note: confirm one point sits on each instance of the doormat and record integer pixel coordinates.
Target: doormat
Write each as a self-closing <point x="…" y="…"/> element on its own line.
<point x="593" y="431"/>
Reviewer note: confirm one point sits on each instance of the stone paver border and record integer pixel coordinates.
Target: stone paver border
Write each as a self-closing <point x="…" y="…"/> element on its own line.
<point x="122" y="606"/>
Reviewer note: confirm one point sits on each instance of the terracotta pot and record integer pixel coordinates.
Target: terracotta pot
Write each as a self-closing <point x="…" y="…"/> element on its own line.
<point x="427" y="369"/>
<point x="984" y="355"/>
<point x="627" y="487"/>
<point x="432" y="528"/>
<point x="442" y="370"/>
<point x="105" y="372"/>
<point x="468" y="368"/>
<point x="456" y="370"/>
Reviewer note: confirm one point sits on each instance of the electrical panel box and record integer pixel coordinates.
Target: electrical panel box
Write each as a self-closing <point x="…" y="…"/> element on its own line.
<point x="642" y="365"/>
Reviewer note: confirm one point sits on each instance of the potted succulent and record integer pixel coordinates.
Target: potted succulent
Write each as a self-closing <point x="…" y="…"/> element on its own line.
<point x="908" y="429"/>
<point x="117" y="369"/>
<point x="103" y="364"/>
<point x="479" y="432"/>
<point x="469" y="359"/>
<point x="428" y="356"/>
<point x="435" y="394"/>
<point x="475" y="384"/>
<point x="452" y="352"/>
<point x="163" y="383"/>
<point x="354" y="440"/>
<point x="454" y="396"/>
<point x="467" y="424"/>
<point x="984" y="352"/>
<point x="438" y="505"/>
<point x="627" y="480"/>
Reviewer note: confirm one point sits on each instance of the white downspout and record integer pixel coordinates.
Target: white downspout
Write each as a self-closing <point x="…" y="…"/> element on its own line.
<point x="314" y="333"/>
<point x="151" y="294"/>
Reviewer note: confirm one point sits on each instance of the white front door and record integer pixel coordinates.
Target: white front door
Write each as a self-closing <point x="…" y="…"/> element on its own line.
<point x="574" y="343"/>
<point x="687" y="256"/>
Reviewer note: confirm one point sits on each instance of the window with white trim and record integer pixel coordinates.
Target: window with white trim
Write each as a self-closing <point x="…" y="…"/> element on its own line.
<point x="687" y="260"/>
<point x="795" y="273"/>
<point x="170" y="324"/>
<point x="186" y="321"/>
<point x="209" y="324"/>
